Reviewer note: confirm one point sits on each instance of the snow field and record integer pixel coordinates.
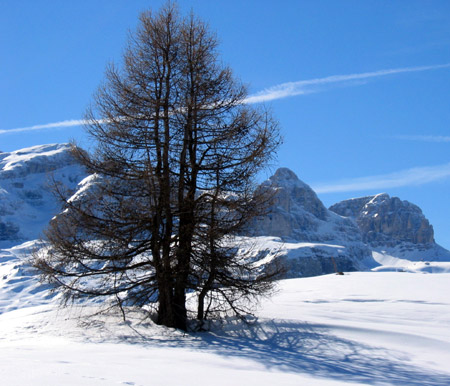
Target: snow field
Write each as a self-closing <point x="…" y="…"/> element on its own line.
<point x="362" y="328"/>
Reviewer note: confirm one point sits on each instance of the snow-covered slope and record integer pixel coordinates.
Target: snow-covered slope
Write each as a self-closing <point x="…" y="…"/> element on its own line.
<point x="308" y="238"/>
<point x="19" y="283"/>
<point x="26" y="201"/>
<point x="362" y="328"/>
<point x="393" y="228"/>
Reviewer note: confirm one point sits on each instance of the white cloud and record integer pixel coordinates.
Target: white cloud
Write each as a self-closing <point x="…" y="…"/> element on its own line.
<point x="424" y="138"/>
<point x="301" y="87"/>
<point x="280" y="91"/>
<point x="409" y="177"/>
<point x="54" y="125"/>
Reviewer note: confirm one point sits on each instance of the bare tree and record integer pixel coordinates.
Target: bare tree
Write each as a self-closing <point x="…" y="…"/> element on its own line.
<point x="176" y="154"/>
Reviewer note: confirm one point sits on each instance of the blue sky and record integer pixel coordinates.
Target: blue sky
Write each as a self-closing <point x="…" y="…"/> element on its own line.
<point x="360" y="88"/>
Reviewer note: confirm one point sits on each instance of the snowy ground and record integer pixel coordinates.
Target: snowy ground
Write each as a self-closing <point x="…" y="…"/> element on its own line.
<point x="371" y="328"/>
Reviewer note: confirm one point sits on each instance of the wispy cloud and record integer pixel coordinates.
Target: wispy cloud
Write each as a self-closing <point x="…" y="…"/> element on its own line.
<point x="424" y="138"/>
<point x="54" y="125"/>
<point x="409" y="177"/>
<point x="280" y="91"/>
<point x="309" y="86"/>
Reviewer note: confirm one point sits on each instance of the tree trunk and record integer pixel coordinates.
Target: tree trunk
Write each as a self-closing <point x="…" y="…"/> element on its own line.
<point x="166" y="314"/>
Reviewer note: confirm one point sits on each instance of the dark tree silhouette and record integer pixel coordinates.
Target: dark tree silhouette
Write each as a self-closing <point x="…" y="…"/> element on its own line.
<point x="177" y="150"/>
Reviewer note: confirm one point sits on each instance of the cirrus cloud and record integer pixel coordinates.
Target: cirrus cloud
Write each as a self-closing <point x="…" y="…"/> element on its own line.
<point x="409" y="177"/>
<point x="280" y="91"/>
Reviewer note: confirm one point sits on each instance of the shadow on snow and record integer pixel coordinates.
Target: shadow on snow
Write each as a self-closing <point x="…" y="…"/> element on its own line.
<point x="296" y="347"/>
<point x="311" y="349"/>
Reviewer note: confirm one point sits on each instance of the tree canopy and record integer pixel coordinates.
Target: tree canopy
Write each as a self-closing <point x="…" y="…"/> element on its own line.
<point x="172" y="184"/>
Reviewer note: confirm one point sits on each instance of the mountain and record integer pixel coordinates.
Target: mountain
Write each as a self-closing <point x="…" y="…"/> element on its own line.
<point x="27" y="202"/>
<point x="393" y="227"/>
<point x="298" y="231"/>
<point x="309" y="238"/>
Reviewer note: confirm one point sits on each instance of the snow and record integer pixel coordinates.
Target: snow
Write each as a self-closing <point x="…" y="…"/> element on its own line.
<point x="22" y="161"/>
<point x="392" y="263"/>
<point x="388" y="326"/>
<point x="83" y="187"/>
<point x="361" y="328"/>
<point x="27" y="201"/>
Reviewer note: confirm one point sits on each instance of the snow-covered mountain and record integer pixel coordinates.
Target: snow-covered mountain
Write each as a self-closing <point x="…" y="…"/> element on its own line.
<point x="393" y="227"/>
<point x="309" y="238"/>
<point x="27" y="202"/>
<point x="298" y="230"/>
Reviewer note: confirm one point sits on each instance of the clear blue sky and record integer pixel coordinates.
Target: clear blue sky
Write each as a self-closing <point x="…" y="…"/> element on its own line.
<point x="361" y="88"/>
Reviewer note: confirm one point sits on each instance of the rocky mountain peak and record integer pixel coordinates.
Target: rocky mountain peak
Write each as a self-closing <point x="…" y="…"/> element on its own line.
<point x="387" y="221"/>
<point x="285" y="174"/>
<point x="298" y="216"/>
<point x="293" y="195"/>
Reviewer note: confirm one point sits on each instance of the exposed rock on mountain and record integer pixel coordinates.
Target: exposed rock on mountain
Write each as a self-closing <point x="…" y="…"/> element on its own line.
<point x="297" y="231"/>
<point x="316" y="236"/>
<point x="387" y="221"/>
<point x="393" y="226"/>
<point x="296" y="210"/>
<point x="26" y="201"/>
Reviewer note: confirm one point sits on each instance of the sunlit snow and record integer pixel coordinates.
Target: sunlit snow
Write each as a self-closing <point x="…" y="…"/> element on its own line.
<point x="388" y="326"/>
<point x="370" y="328"/>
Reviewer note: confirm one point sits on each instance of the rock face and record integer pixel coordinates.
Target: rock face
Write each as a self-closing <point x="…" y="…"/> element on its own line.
<point x="316" y="235"/>
<point x="392" y="225"/>
<point x="26" y="201"/>
<point x="387" y="221"/>
<point x="296" y="209"/>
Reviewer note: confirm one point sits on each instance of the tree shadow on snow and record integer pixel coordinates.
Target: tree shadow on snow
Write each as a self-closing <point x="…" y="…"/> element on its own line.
<point x="293" y="347"/>
<point x="311" y="349"/>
